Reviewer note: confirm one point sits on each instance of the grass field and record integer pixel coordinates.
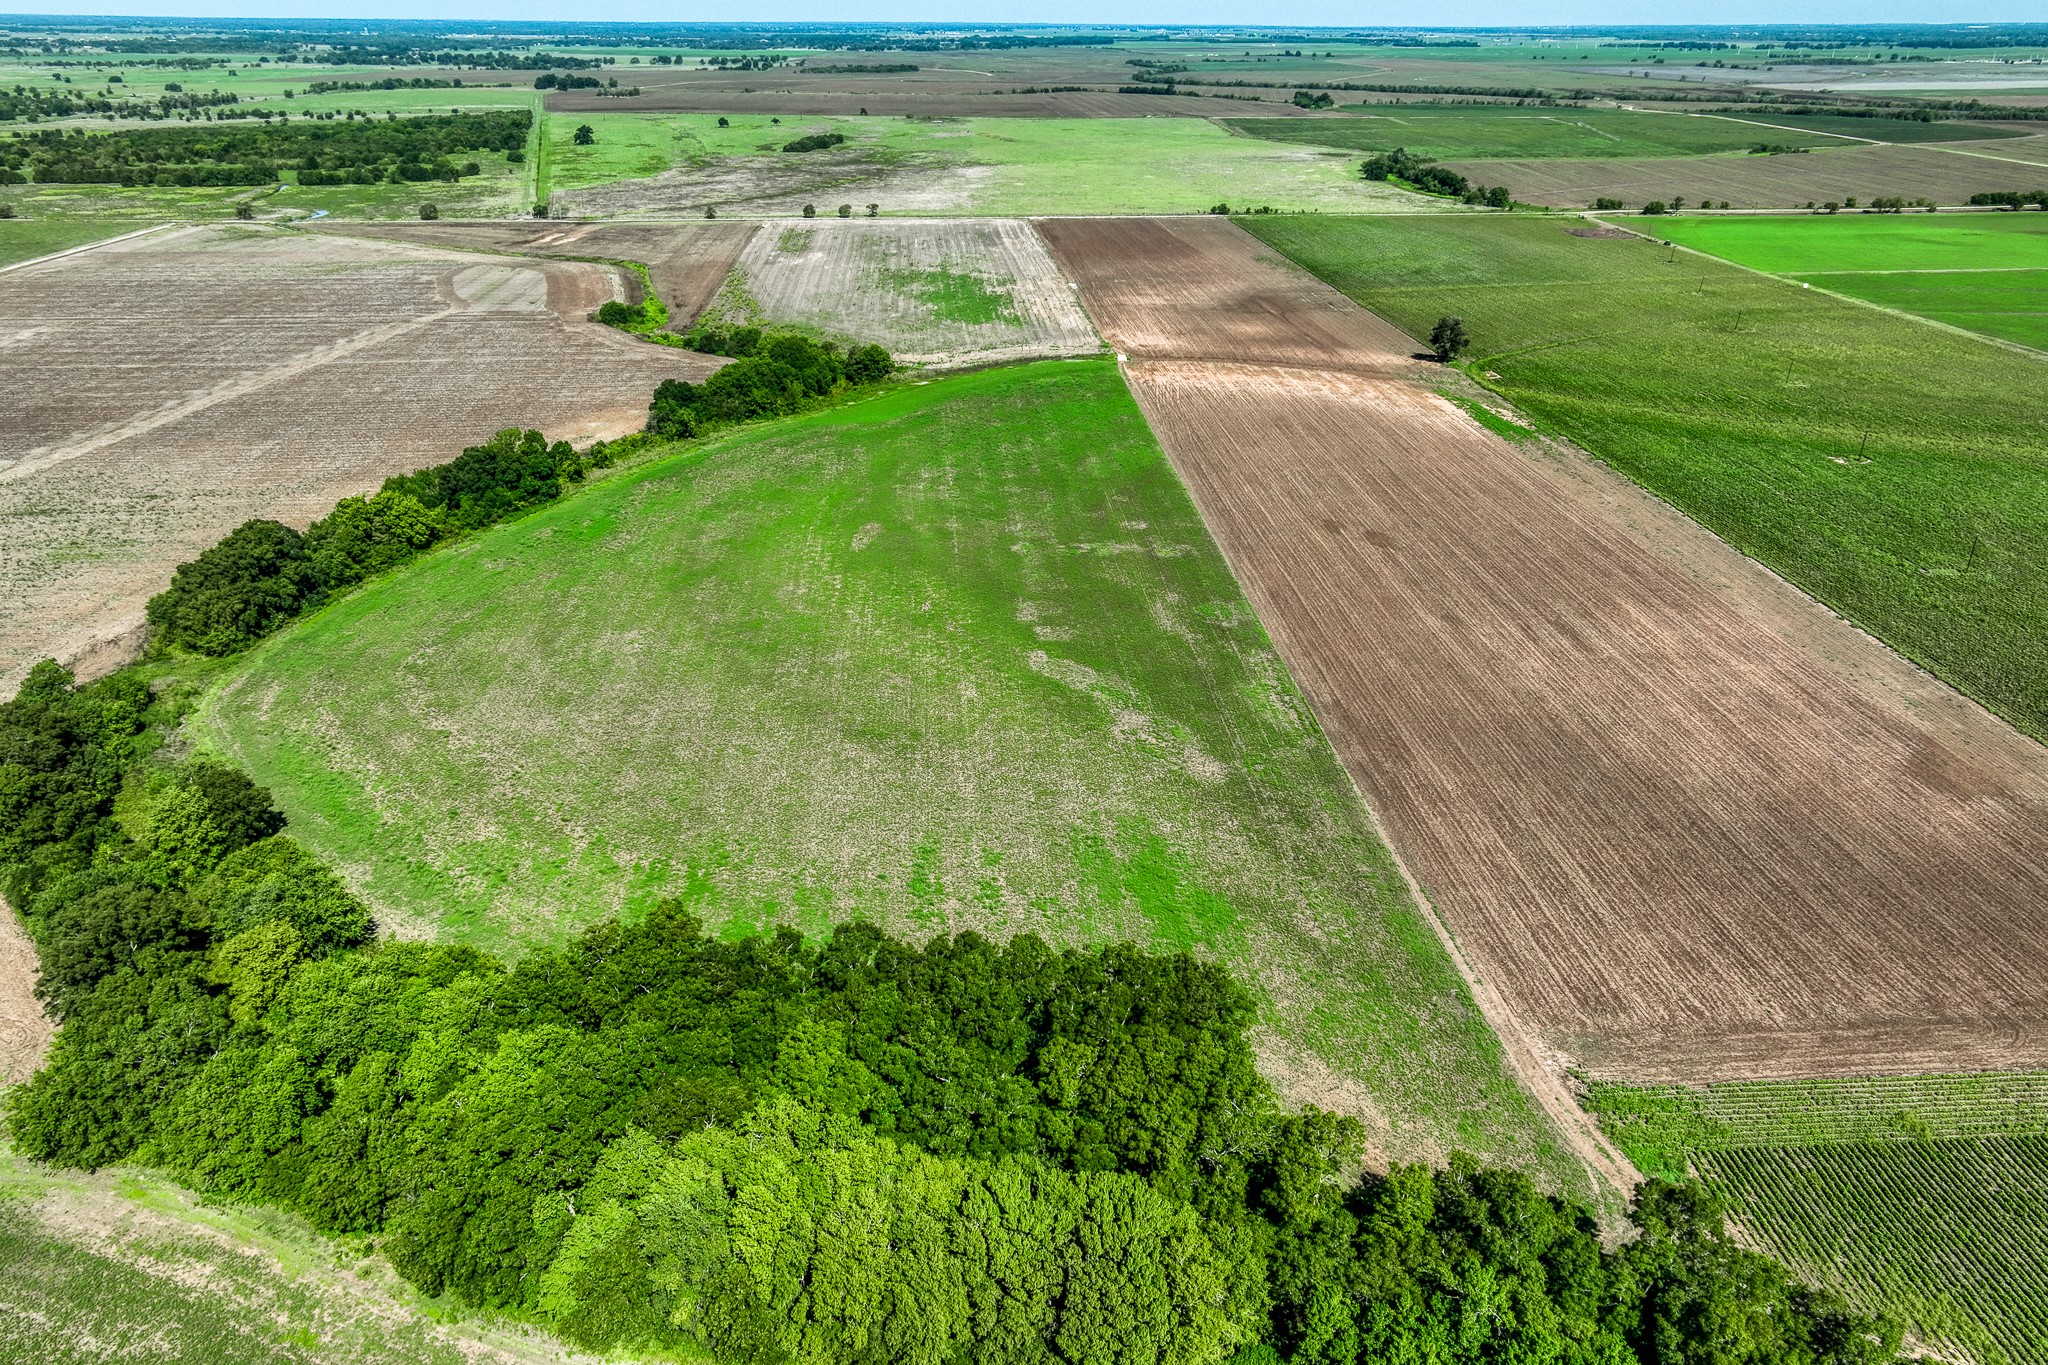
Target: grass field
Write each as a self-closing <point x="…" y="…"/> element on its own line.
<point x="1892" y="470"/>
<point x="1917" y="1194"/>
<point x="1510" y="131"/>
<point x="127" y="1266"/>
<point x="983" y="166"/>
<point x="961" y="656"/>
<point x="24" y="239"/>
<point x="1986" y="272"/>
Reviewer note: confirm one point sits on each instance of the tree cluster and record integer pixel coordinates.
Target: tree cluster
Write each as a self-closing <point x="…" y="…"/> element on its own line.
<point x="2013" y="199"/>
<point x="776" y="374"/>
<point x="338" y="151"/>
<point x="852" y="1150"/>
<point x="263" y="573"/>
<point x="1422" y="173"/>
<point x="565" y="81"/>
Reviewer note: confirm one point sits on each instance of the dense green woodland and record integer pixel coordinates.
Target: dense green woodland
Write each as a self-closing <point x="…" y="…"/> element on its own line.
<point x="762" y="1148"/>
<point x="323" y="151"/>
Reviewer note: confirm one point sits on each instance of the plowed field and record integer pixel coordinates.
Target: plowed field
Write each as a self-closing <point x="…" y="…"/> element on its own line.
<point x="159" y="392"/>
<point x="1689" y="824"/>
<point x="936" y="293"/>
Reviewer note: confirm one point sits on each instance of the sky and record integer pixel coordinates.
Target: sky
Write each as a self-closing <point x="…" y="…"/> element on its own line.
<point x="1347" y="13"/>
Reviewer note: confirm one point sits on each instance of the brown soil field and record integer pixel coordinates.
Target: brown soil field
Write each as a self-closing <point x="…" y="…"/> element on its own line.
<point x="686" y="261"/>
<point x="1945" y="175"/>
<point x="161" y="391"/>
<point x="945" y="293"/>
<point x="1687" y="823"/>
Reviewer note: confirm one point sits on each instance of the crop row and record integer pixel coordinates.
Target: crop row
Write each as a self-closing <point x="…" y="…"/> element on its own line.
<point x="1663" y="1126"/>
<point x="1944" y="1233"/>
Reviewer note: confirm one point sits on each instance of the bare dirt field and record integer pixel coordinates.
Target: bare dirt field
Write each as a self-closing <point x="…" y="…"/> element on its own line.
<point x="1947" y="176"/>
<point x="158" y="392"/>
<point x="686" y="261"/>
<point x="945" y="293"/>
<point x="1688" y="824"/>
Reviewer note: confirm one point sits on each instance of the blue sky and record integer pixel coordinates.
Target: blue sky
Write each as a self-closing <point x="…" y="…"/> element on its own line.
<point x="1305" y="12"/>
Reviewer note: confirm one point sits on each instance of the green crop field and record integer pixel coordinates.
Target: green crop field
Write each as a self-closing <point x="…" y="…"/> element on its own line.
<point x="1919" y="1195"/>
<point x="1986" y="272"/>
<point x="1876" y="129"/>
<point x="1945" y="1233"/>
<point x="127" y="1266"/>
<point x="1508" y="131"/>
<point x="961" y="656"/>
<point x="983" y="166"/>
<point x="1904" y="489"/>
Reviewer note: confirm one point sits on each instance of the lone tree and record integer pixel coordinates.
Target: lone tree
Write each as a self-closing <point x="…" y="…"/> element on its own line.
<point x="585" y="135"/>
<point x="429" y="212"/>
<point x="1448" y="339"/>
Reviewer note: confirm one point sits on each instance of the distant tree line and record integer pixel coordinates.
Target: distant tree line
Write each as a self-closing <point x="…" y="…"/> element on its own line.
<point x="852" y="1150"/>
<point x="350" y="151"/>
<point x="32" y="104"/>
<point x="2012" y="199"/>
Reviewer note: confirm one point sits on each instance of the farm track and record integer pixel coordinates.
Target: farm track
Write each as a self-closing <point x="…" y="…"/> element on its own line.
<point x="1689" y="825"/>
<point x="161" y="391"/>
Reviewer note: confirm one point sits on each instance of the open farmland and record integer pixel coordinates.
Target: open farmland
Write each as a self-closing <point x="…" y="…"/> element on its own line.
<point x="944" y="293"/>
<point x="960" y="656"/>
<point x="167" y="388"/>
<point x="1904" y="490"/>
<point x="686" y="262"/>
<point x="964" y="166"/>
<point x="1985" y="272"/>
<point x="1942" y="174"/>
<point x="1916" y="1194"/>
<point x="1680" y="817"/>
<point x="1490" y="131"/>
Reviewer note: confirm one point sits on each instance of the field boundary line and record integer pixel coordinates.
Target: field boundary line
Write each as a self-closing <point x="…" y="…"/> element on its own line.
<point x="1789" y="280"/>
<point x="1600" y="1159"/>
<point x="239" y="387"/>
<point x="1789" y="128"/>
<point x="91" y="246"/>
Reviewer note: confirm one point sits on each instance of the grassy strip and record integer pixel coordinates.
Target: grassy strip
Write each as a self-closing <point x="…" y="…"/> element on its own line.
<point x="1892" y="470"/>
<point x="958" y="656"/>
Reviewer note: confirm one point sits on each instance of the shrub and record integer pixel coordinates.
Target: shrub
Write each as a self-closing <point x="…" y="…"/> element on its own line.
<point x="1656" y="207"/>
<point x="429" y="212"/>
<point x="1606" y="203"/>
<point x="816" y="142"/>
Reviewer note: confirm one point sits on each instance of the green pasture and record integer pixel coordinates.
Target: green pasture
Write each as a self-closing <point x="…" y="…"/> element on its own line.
<point x="1986" y="272"/>
<point x="129" y="1267"/>
<point x="1513" y="132"/>
<point x="959" y="656"/>
<point x="988" y="166"/>
<point x="1893" y="470"/>
<point x="1883" y="129"/>
<point x="24" y="239"/>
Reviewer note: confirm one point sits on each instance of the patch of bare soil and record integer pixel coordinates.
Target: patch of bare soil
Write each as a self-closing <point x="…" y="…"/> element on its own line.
<point x="25" y="1031"/>
<point x="162" y="391"/>
<point x="1684" y="821"/>
<point x="776" y="185"/>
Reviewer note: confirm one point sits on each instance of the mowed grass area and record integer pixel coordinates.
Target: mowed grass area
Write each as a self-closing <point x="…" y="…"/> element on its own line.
<point x="1917" y="1195"/>
<point x="1000" y="167"/>
<point x="126" y="1266"/>
<point x="1514" y="131"/>
<point x="1893" y="470"/>
<point x="24" y="239"/>
<point x="1986" y="272"/>
<point x="961" y="656"/>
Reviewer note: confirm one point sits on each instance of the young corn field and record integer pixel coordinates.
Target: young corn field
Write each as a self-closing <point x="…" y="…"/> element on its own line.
<point x="1914" y="1195"/>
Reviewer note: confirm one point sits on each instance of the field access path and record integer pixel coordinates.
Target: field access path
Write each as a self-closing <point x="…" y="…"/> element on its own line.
<point x="1683" y="823"/>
